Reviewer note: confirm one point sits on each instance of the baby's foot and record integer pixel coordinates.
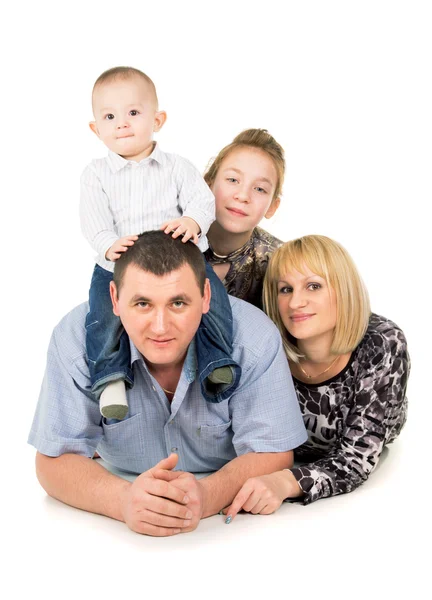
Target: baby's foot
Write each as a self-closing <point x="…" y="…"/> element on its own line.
<point x="113" y="401"/>
<point x="221" y="375"/>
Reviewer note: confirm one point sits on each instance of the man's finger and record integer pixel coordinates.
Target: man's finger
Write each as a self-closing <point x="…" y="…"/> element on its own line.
<point x="166" y="475"/>
<point x="166" y="463"/>
<point x="164" y="520"/>
<point x="148" y="529"/>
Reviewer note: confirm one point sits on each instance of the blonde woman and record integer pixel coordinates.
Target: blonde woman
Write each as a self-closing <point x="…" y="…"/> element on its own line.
<point x="246" y="178"/>
<point x="350" y="370"/>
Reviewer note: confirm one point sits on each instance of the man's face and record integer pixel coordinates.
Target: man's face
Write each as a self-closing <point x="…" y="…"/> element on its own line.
<point x="161" y="314"/>
<point x="126" y="117"/>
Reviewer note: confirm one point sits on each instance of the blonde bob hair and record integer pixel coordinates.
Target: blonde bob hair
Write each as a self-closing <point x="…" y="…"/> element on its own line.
<point x="331" y="261"/>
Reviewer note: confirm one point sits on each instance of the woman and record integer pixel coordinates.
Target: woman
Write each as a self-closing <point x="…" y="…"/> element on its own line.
<point x="350" y="370"/>
<point x="246" y="178"/>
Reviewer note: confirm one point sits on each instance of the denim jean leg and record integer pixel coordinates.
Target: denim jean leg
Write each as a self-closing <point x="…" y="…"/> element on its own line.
<point x="107" y="343"/>
<point x="214" y="342"/>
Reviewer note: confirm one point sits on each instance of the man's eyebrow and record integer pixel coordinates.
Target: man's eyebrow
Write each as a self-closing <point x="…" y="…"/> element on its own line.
<point x="176" y="298"/>
<point x="139" y="298"/>
<point x="180" y="298"/>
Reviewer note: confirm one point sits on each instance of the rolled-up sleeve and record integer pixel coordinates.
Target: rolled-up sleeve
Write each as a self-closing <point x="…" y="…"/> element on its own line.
<point x="67" y="418"/>
<point x="265" y="412"/>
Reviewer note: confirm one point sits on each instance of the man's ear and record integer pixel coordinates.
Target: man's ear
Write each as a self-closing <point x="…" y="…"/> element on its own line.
<point x="272" y="208"/>
<point x="114" y="298"/>
<point x="206" y="297"/>
<point x="160" y="118"/>
<point x="94" y="128"/>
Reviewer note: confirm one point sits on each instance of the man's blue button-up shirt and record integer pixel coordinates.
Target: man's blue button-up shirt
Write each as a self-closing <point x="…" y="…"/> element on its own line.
<point x="262" y="415"/>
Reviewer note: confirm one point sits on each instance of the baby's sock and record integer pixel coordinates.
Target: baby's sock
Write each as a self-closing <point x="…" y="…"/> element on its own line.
<point x="221" y="375"/>
<point x="113" y="401"/>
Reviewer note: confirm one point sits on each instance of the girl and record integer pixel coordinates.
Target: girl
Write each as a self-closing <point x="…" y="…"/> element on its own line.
<point x="246" y="178"/>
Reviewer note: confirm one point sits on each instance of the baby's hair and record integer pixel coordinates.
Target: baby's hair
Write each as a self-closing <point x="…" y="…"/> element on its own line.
<point x="124" y="73"/>
<point x="252" y="138"/>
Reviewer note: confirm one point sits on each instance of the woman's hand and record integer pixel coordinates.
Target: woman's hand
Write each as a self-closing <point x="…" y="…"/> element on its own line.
<point x="264" y="495"/>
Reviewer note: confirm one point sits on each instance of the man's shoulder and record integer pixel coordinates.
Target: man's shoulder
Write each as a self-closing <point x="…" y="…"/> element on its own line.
<point x="69" y="333"/>
<point x="250" y="324"/>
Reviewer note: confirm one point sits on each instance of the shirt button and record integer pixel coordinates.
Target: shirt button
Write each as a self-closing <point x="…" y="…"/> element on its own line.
<point x="154" y="389"/>
<point x="174" y="449"/>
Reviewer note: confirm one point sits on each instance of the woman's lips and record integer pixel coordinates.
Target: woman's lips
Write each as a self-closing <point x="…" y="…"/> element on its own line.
<point x="300" y="317"/>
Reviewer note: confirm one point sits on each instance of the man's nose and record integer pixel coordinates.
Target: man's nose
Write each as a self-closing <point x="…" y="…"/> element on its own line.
<point x="159" y="322"/>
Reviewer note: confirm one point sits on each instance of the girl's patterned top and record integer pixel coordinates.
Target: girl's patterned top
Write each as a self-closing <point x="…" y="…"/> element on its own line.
<point x="248" y="265"/>
<point x="350" y="417"/>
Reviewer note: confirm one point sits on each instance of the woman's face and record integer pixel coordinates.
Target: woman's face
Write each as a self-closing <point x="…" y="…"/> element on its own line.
<point x="244" y="188"/>
<point x="307" y="305"/>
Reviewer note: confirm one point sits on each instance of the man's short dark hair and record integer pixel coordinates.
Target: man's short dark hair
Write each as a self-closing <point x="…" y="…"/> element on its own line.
<point x="160" y="254"/>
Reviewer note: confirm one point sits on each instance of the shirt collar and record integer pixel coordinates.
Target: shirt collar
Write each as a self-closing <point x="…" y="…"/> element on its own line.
<point x="117" y="162"/>
<point x="189" y="365"/>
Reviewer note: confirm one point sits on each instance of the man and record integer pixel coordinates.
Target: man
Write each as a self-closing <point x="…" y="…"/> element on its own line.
<point x="160" y="294"/>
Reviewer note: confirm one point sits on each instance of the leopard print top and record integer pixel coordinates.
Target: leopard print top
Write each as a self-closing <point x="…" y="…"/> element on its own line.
<point x="248" y="266"/>
<point x="350" y="417"/>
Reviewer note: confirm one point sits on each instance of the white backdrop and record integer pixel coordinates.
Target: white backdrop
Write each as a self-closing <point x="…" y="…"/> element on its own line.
<point x="345" y="87"/>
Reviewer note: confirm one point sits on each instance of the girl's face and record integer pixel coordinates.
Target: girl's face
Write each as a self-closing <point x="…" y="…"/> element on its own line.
<point x="244" y="188"/>
<point x="307" y="305"/>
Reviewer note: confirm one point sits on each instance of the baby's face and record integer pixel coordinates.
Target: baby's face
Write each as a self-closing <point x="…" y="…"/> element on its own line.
<point x="126" y="116"/>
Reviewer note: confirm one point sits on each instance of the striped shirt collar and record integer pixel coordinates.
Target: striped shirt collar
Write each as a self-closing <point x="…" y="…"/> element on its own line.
<point x="189" y="365"/>
<point x="117" y="162"/>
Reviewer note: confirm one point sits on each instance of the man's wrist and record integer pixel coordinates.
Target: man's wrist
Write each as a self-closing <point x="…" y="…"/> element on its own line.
<point x="122" y="500"/>
<point x="206" y="510"/>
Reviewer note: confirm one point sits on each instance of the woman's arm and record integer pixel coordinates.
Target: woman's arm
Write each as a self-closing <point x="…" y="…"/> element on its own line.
<point x="375" y="419"/>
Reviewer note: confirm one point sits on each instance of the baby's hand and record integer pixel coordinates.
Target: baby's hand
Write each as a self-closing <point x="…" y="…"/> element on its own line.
<point x="120" y="246"/>
<point x="184" y="226"/>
